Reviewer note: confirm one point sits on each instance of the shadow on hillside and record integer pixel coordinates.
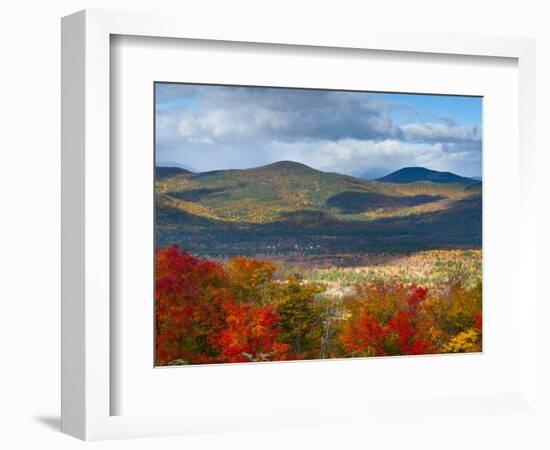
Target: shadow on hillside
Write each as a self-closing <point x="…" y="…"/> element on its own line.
<point x="354" y="202"/>
<point x="316" y="232"/>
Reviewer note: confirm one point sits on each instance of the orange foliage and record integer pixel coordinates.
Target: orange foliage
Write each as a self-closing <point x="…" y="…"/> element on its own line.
<point x="387" y="321"/>
<point x="198" y="319"/>
<point x="251" y="334"/>
<point x="209" y="312"/>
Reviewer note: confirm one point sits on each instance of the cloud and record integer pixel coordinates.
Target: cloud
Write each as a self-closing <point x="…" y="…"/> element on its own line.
<point x="354" y="157"/>
<point x="448" y="120"/>
<point x="368" y="158"/>
<point x="220" y="127"/>
<point x="239" y="115"/>
<point x="170" y="92"/>
<point x="437" y="132"/>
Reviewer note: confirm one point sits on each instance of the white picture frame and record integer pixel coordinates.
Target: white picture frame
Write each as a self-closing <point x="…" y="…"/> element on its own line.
<point x="87" y="386"/>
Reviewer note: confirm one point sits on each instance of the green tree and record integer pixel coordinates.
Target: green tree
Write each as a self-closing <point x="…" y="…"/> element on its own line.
<point x="301" y="317"/>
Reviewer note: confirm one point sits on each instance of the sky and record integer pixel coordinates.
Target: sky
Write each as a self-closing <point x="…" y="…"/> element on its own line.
<point x="212" y="127"/>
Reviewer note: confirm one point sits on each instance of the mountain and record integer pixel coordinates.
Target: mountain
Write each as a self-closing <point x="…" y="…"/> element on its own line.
<point x="476" y="188"/>
<point x="265" y="193"/>
<point x="286" y="204"/>
<point x="415" y="174"/>
<point x="167" y="172"/>
<point x="175" y="164"/>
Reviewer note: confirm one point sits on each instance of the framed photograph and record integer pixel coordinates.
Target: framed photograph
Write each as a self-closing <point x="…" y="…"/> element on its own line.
<point x="279" y="228"/>
<point x="304" y="224"/>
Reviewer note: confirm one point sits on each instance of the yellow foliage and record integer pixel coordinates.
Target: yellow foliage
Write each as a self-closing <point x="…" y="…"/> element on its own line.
<point x="464" y="342"/>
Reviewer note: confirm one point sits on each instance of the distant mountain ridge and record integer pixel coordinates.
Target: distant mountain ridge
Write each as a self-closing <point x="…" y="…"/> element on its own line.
<point x="167" y="172"/>
<point x="416" y="174"/>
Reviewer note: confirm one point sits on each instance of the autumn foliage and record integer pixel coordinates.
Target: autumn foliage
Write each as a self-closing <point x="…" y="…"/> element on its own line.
<point x="251" y="334"/>
<point x="401" y="329"/>
<point x="203" y="315"/>
<point x="240" y="311"/>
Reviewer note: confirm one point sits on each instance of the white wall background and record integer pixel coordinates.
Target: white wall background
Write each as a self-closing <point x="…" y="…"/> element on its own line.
<point x="30" y="198"/>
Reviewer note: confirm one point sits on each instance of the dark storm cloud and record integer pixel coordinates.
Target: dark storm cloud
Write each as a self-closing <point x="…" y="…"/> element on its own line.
<point x="240" y="115"/>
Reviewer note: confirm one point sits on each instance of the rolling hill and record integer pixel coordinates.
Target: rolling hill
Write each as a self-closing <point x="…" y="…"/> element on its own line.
<point x="475" y="188"/>
<point x="288" y="206"/>
<point x="167" y="172"/>
<point x="416" y="174"/>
